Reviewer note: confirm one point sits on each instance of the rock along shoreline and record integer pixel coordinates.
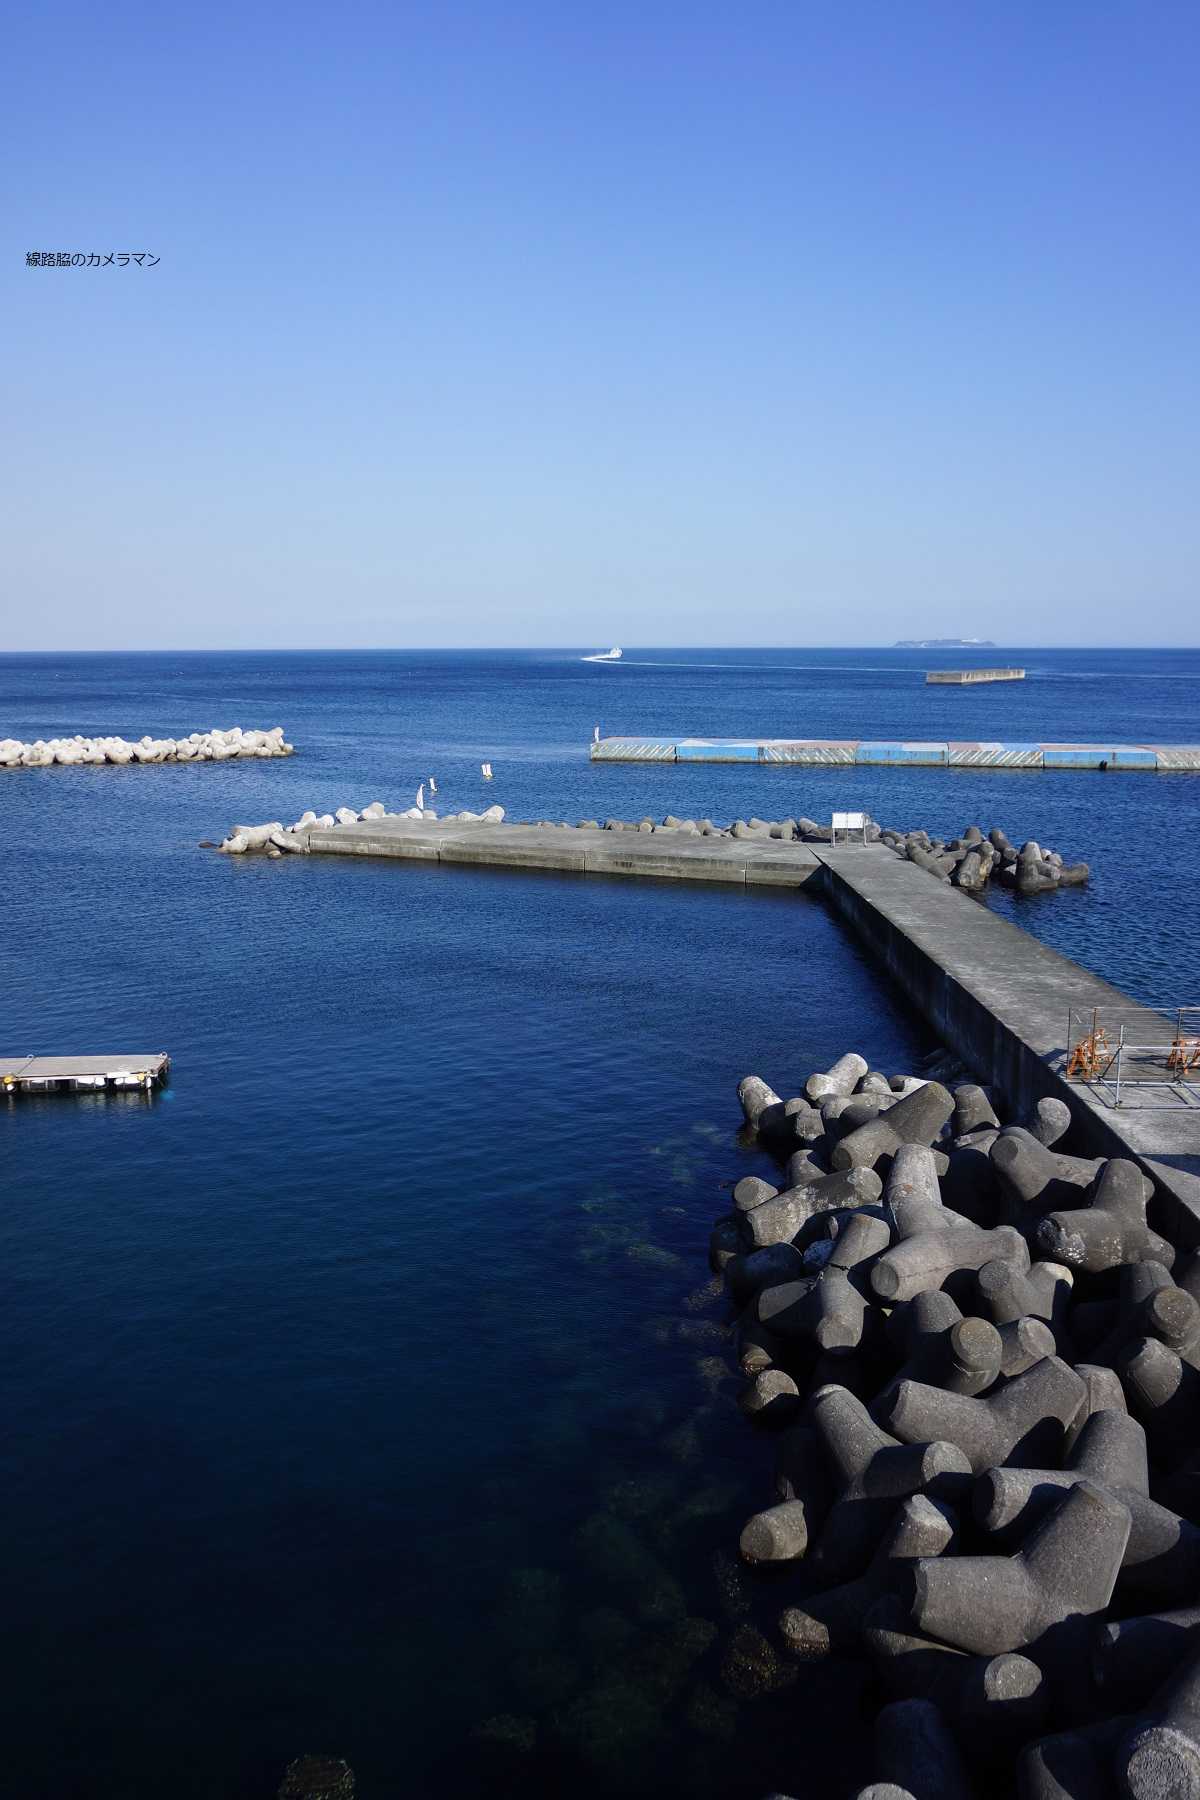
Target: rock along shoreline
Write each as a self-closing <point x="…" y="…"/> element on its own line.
<point x="199" y="746"/>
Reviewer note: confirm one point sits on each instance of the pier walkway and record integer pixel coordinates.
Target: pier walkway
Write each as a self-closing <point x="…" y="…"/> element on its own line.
<point x="951" y="753"/>
<point x="992" y="992"/>
<point x="1003" y="1001"/>
<point x="665" y="854"/>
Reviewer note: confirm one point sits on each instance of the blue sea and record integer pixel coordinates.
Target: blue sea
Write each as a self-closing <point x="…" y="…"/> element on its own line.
<point x="364" y="1391"/>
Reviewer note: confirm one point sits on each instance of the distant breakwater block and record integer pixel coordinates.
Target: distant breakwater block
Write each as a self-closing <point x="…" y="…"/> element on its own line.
<point x="970" y="861"/>
<point x="952" y="753"/>
<point x="983" y="1411"/>
<point x="277" y="839"/>
<point x="200" y="746"/>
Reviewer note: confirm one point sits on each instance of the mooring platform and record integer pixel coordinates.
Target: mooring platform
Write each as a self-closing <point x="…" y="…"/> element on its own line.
<point x="952" y="753"/>
<point x="45" y="1074"/>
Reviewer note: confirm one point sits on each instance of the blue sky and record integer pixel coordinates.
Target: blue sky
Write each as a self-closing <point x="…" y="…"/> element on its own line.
<point x="539" y="323"/>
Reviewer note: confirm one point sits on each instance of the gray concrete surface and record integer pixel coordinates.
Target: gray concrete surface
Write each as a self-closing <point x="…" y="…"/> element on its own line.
<point x="668" y="855"/>
<point x="1003" y="1001"/>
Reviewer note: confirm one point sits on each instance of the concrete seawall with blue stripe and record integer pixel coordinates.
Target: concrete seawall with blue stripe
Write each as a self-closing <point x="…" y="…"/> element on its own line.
<point x="881" y="752"/>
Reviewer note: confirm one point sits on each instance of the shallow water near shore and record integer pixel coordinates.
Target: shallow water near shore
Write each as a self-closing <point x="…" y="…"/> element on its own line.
<point x="365" y="1391"/>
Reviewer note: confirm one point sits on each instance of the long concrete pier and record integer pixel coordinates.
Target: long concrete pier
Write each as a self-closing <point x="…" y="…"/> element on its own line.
<point x="669" y="855"/>
<point x="997" y="996"/>
<point x="953" y="753"/>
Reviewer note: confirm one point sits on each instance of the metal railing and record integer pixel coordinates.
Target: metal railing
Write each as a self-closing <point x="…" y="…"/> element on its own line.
<point x="1125" y="1048"/>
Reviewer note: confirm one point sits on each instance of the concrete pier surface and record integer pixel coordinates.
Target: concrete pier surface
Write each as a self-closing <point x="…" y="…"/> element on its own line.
<point x="1003" y="1001"/>
<point x="666" y="854"/>
<point x="997" y="996"/>
<point x="953" y="753"/>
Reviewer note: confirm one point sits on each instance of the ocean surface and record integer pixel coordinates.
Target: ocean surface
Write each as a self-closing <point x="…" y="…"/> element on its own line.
<point x="363" y="1390"/>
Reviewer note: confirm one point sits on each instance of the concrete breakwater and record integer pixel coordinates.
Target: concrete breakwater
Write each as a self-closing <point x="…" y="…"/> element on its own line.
<point x="975" y="1355"/>
<point x="968" y="862"/>
<point x="968" y="677"/>
<point x="200" y="746"/>
<point x="883" y="753"/>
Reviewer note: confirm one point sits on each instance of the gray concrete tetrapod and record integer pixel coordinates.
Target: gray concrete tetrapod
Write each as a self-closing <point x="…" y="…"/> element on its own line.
<point x="915" y="1751"/>
<point x="1033" y="1178"/>
<point x="1112" y="1230"/>
<point x="944" y="1349"/>
<point x="872" y="1473"/>
<point x="841" y="1078"/>
<point x="1160" y="1759"/>
<point x="1024" y="1421"/>
<point x="1162" y="1557"/>
<point x="931" y="1241"/>
<point x="1131" y="1658"/>
<point x="1163" y="1392"/>
<point x="994" y="1700"/>
<point x="755" y="1096"/>
<point x="831" y="1309"/>
<point x="780" y="1219"/>
<point x="1065" y="1571"/>
<point x="1071" y="1765"/>
<point x="917" y="1119"/>
<point x="829" y="1622"/>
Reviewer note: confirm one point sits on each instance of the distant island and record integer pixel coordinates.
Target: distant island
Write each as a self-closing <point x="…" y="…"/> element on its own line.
<point x="943" y="644"/>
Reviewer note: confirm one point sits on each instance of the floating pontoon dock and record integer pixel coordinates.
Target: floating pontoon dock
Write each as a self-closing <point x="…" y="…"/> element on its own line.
<point x="47" y="1074"/>
<point x="884" y="752"/>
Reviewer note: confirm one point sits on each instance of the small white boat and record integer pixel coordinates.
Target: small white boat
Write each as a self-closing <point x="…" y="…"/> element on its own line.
<point x="485" y="770"/>
<point x="613" y="655"/>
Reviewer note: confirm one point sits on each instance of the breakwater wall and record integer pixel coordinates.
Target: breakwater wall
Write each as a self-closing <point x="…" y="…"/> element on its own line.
<point x="969" y="677"/>
<point x="975" y="1364"/>
<point x="1003" y="1001"/>
<point x="817" y="753"/>
<point x="200" y="746"/>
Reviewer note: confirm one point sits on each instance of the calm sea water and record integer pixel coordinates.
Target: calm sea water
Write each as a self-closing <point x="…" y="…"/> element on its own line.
<point x="362" y="1390"/>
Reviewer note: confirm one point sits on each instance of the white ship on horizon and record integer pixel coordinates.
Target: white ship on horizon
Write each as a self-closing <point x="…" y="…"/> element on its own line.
<point x="613" y="655"/>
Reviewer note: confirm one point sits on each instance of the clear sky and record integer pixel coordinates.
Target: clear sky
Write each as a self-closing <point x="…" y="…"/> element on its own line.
<point x="529" y="322"/>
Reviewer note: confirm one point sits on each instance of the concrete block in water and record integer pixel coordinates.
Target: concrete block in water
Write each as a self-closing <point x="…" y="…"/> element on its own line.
<point x="772" y="1398"/>
<point x="829" y="1622"/>
<point x="755" y="1096"/>
<point x="872" y="1471"/>
<point x="931" y="1241"/>
<point x="779" y="1220"/>
<point x="1025" y="1420"/>
<point x="1112" y="1230"/>
<point x="830" y="1309"/>
<point x="777" y="1534"/>
<point x="917" y="1119"/>
<point x="1067" y="1569"/>
<point x="915" y="1751"/>
<point x="841" y="1078"/>
<point x="1160" y="1758"/>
